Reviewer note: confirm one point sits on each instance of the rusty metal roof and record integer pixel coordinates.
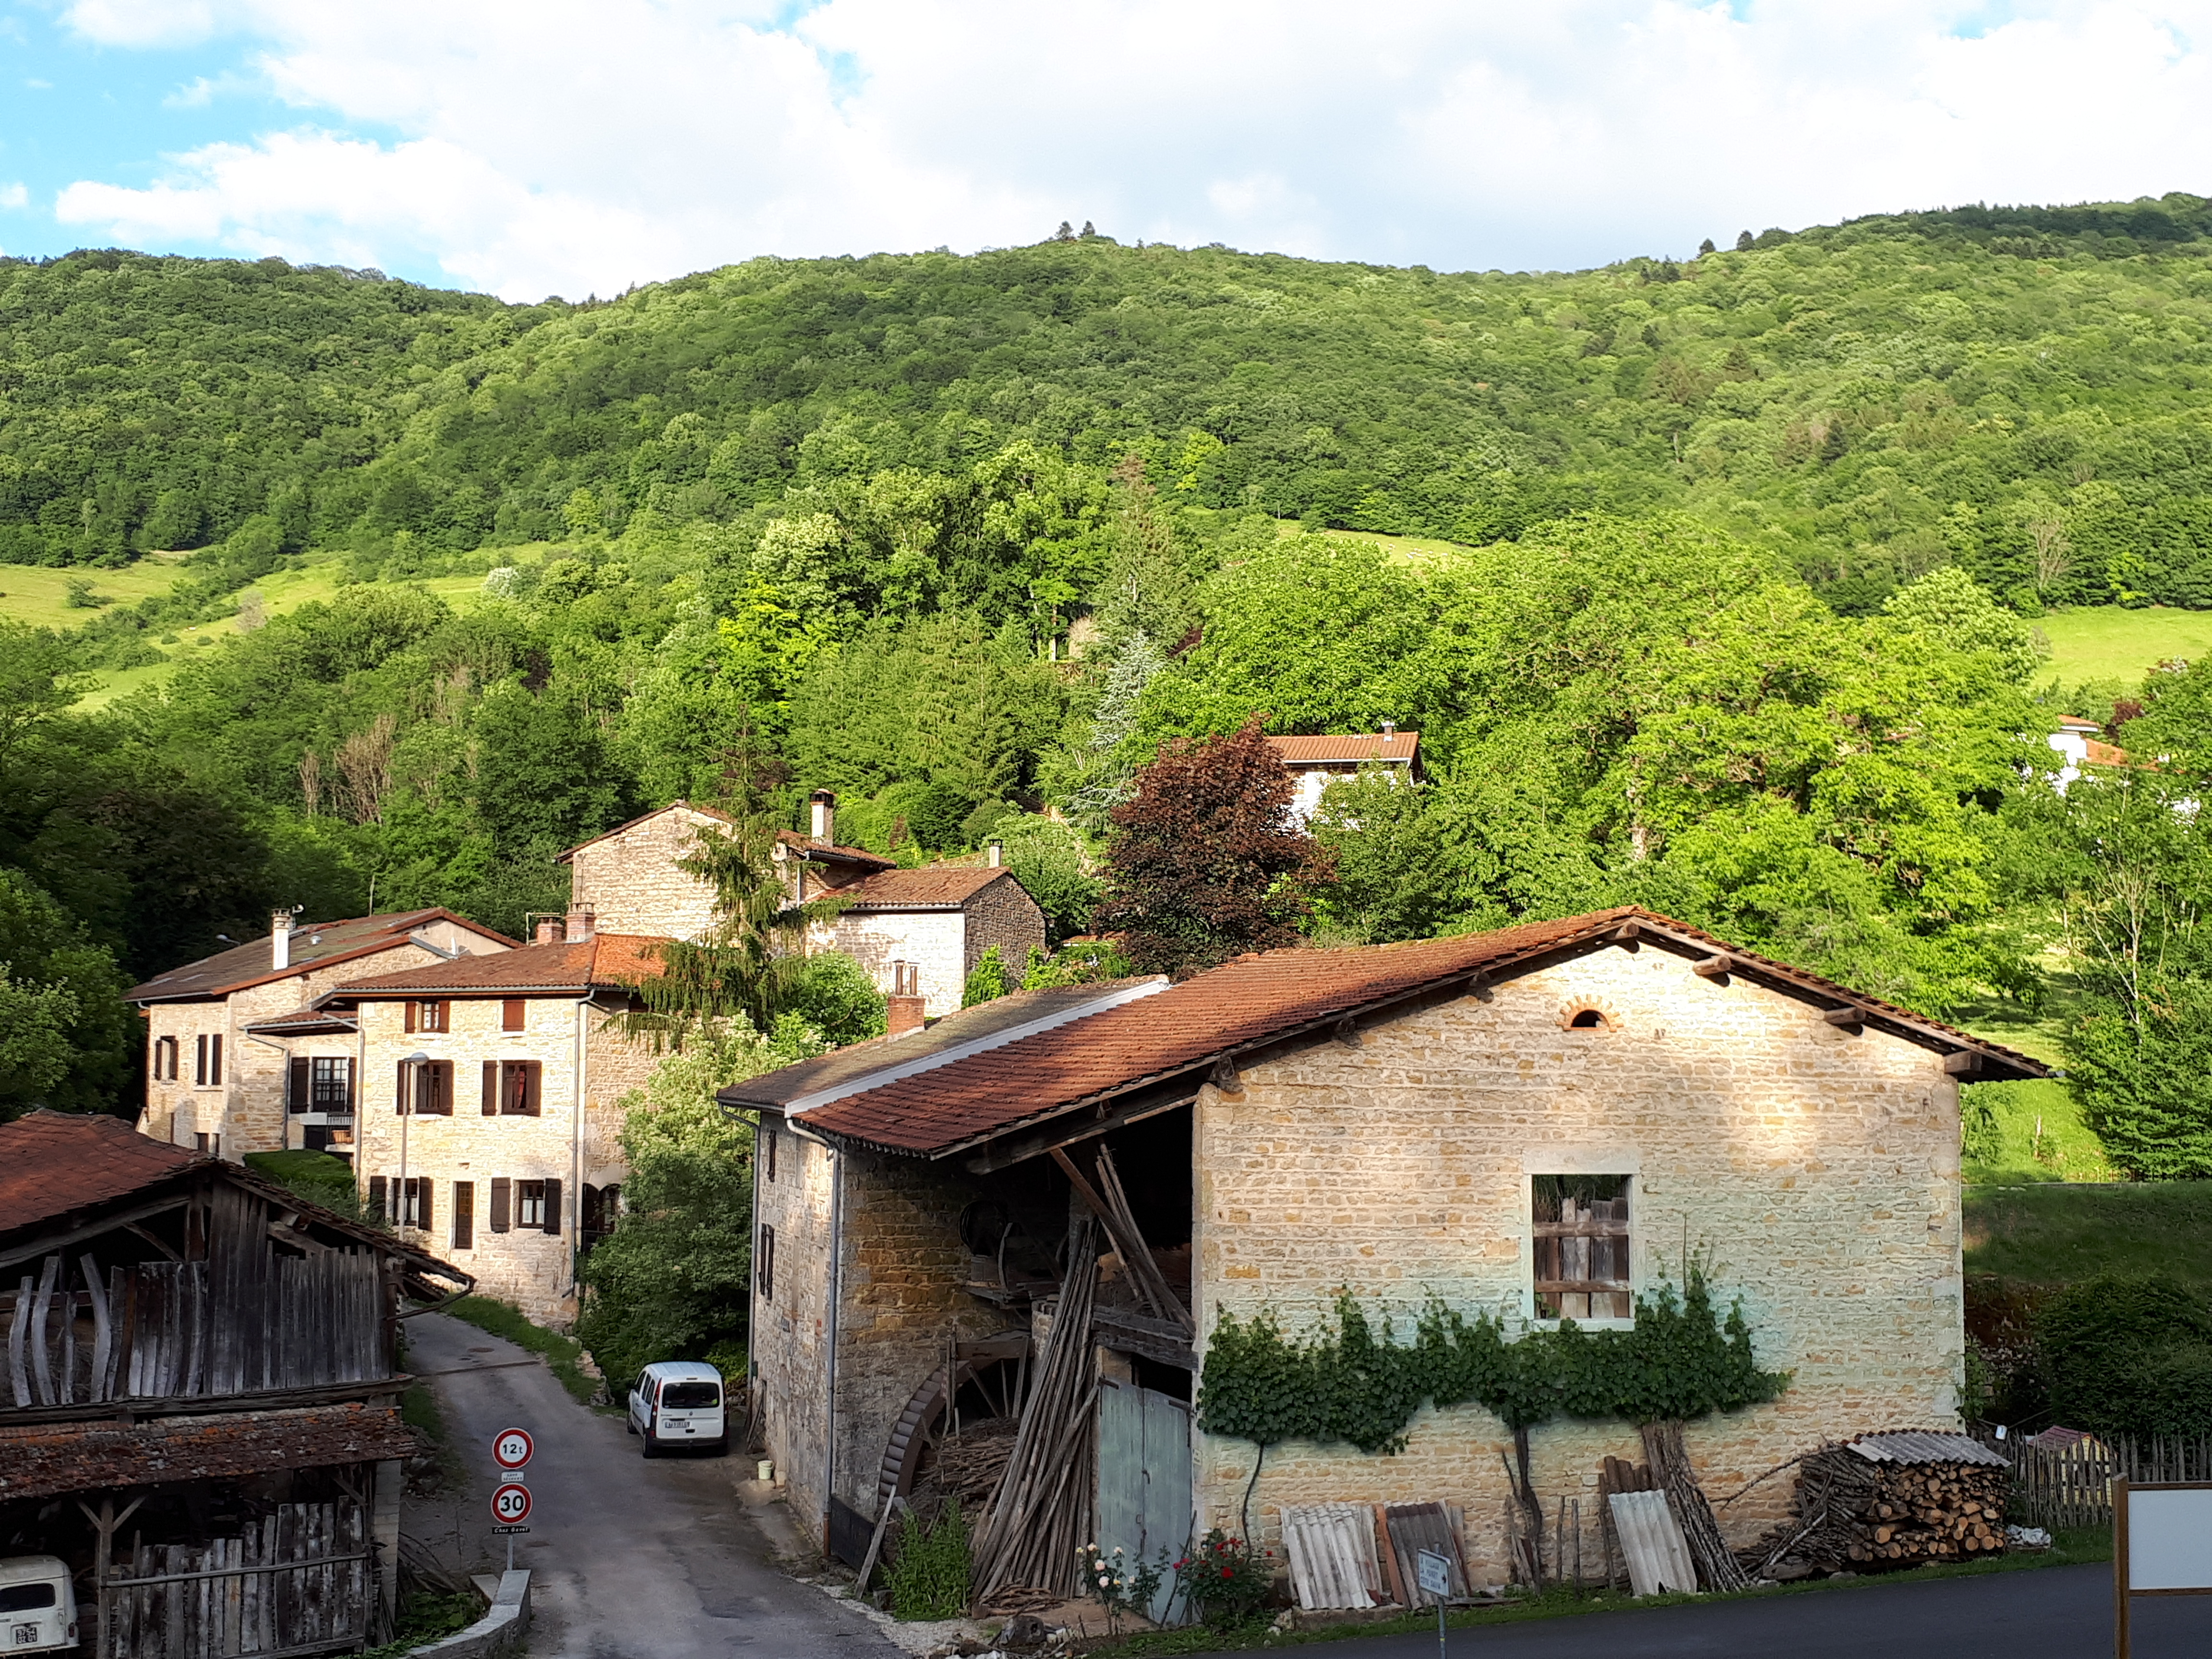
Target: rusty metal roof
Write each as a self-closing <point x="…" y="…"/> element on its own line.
<point x="604" y="961"/>
<point x="52" y="1163"/>
<point x="1263" y="999"/>
<point x="40" y="1460"/>
<point x="317" y="945"/>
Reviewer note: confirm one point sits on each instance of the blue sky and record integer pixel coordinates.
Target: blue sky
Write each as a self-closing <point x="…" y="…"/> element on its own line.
<point x="574" y="146"/>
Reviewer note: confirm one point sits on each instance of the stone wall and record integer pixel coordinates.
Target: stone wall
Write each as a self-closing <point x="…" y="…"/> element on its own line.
<point x="790" y="1336"/>
<point x="533" y="1269"/>
<point x="936" y="941"/>
<point x="631" y="882"/>
<point x="1004" y="915"/>
<point x="1814" y="1171"/>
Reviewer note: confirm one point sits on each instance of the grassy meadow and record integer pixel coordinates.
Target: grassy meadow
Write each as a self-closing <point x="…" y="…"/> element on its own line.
<point x="2112" y="642"/>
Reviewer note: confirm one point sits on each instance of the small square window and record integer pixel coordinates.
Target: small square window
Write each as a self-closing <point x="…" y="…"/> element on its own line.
<point x="1580" y="1224"/>
<point x="530" y="1204"/>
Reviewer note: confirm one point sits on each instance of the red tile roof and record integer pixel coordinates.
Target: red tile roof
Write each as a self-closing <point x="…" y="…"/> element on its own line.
<point x="1355" y="746"/>
<point x="604" y="960"/>
<point x="936" y="886"/>
<point x="41" y="1459"/>
<point x="52" y="1163"/>
<point x="317" y="945"/>
<point x="1255" y="1000"/>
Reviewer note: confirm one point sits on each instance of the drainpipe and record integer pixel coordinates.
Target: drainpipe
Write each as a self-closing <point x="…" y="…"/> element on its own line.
<point x="576" y="1164"/>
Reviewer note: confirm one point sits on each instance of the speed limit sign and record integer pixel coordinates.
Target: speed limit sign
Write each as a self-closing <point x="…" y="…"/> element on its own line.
<point x="511" y="1448"/>
<point x="510" y="1505"/>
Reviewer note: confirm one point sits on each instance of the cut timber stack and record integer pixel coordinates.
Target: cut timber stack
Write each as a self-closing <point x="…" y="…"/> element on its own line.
<point x="1892" y="1500"/>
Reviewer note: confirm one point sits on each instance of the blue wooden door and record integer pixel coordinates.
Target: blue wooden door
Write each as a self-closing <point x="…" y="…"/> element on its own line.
<point x="1144" y="1477"/>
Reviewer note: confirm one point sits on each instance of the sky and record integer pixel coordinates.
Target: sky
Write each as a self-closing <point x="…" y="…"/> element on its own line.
<point x="528" y="148"/>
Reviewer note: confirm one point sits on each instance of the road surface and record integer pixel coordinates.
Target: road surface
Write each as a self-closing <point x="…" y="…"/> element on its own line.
<point x="630" y="1559"/>
<point x="2062" y="1613"/>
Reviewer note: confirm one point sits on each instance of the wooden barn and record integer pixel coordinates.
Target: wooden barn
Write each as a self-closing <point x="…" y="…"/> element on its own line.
<point x="199" y="1413"/>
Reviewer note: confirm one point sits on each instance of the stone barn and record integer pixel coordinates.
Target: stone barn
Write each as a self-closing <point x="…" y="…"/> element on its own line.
<point x="1398" y="1121"/>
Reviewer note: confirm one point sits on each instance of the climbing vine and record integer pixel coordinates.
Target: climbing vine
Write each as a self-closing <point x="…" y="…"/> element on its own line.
<point x="1679" y="1360"/>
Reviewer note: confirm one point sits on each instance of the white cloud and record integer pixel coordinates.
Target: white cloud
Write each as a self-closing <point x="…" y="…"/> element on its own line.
<point x="14" y="196"/>
<point x="566" y="146"/>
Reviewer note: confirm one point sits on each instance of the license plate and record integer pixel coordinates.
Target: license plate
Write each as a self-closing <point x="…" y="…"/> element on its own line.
<point x="21" y="1635"/>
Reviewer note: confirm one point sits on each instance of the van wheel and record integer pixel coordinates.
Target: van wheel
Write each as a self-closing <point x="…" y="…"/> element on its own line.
<point x="652" y="1447"/>
<point x="629" y="1423"/>
<point x="717" y="1448"/>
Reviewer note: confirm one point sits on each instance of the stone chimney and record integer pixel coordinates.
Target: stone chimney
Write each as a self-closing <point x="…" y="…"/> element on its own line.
<point x="280" y="940"/>
<point x="1389" y="729"/>
<point x="997" y="849"/>
<point x="824" y="832"/>
<point x="549" y="930"/>
<point x="903" y="1008"/>
<point x="579" y="924"/>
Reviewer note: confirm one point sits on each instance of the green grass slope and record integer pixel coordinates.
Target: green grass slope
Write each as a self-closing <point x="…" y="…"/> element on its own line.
<point x="2109" y="642"/>
<point x="2052" y="1235"/>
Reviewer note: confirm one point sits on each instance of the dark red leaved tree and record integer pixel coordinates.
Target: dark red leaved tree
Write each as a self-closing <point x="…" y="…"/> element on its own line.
<point x="1204" y="862"/>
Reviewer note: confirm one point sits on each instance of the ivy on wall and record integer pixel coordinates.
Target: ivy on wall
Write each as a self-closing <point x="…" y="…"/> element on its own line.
<point x="1679" y="1360"/>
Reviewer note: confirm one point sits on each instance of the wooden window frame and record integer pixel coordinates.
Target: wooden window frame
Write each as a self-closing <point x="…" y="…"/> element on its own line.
<point x="165" y="1059"/>
<point x="414" y="1075"/>
<point x="416" y="1207"/>
<point x="1605" y="1226"/>
<point x="528" y="1195"/>
<point x="465" y="1215"/>
<point x="324" y="1093"/>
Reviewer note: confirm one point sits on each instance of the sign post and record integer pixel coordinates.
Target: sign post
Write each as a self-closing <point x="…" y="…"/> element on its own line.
<point x="1433" y="1572"/>
<point x="2161" y="1546"/>
<point x="511" y="1448"/>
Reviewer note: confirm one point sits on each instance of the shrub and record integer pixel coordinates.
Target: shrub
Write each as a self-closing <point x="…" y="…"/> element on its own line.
<point x="1225" y="1578"/>
<point x="929" y="1579"/>
<point x="2128" y="1356"/>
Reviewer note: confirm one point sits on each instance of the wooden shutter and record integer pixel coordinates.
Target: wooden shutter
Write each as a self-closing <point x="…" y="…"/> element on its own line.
<point x="502" y="1203"/>
<point x="215" y="1051"/>
<point x="299" y="1092"/>
<point x="552" y="1206"/>
<point x="399" y="1096"/>
<point x="199" y="1060"/>
<point x="533" y="1077"/>
<point x="422" y="1187"/>
<point x="768" y="1264"/>
<point x="441" y="1084"/>
<point x="769" y="1135"/>
<point x="465" y="1215"/>
<point x="345" y="1070"/>
<point x="409" y="1006"/>
<point x="491" y="1088"/>
<point x="376" y="1197"/>
<point x="511" y="1014"/>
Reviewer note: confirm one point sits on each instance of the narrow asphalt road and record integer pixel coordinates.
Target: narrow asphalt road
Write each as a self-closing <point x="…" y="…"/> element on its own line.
<point x="2063" y="1613"/>
<point x="630" y="1559"/>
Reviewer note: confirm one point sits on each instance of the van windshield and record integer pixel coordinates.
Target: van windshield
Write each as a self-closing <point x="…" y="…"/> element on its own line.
<point x="22" y="1598"/>
<point x="691" y="1396"/>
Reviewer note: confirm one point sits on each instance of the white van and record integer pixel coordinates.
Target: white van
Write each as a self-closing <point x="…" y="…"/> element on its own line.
<point x="38" y="1604"/>
<point x="678" y="1402"/>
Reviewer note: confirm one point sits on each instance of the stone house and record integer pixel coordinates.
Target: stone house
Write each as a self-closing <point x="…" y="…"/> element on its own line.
<point x="917" y="932"/>
<point x="234" y="1064"/>
<point x="1315" y="763"/>
<point x="490" y="1121"/>
<point x="1400" y="1122"/>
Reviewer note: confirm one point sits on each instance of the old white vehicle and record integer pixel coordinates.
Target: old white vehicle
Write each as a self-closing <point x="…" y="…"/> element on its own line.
<point x="38" y="1604"/>
<point x="678" y="1403"/>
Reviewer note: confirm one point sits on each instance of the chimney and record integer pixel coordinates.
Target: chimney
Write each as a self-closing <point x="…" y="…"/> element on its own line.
<point x="579" y="924"/>
<point x="1389" y="729"/>
<point x="824" y="831"/>
<point x="280" y="939"/>
<point x="903" y="1008"/>
<point x="998" y="852"/>
<point x="549" y="930"/>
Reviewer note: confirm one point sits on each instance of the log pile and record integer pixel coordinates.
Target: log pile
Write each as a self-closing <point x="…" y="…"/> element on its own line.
<point x="1889" y="1501"/>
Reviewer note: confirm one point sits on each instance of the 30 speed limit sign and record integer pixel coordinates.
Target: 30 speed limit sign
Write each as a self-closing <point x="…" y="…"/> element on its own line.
<point x="511" y="1448"/>
<point x="510" y="1505"/>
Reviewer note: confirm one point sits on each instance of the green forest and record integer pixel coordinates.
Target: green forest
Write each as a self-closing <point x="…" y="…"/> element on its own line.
<point x="1711" y="585"/>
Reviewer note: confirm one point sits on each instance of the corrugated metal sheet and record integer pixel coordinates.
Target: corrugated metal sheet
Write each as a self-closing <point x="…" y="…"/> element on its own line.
<point x="1925" y="1446"/>
<point x="1651" y="1539"/>
<point x="1417" y="1526"/>
<point x="1332" y="1548"/>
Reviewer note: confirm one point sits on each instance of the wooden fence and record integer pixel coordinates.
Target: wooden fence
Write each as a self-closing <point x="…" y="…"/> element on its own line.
<point x="2072" y="1485"/>
<point x="298" y="1582"/>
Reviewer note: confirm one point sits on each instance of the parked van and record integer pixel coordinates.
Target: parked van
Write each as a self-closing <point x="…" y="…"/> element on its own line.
<point x="38" y="1604"/>
<point x="679" y="1403"/>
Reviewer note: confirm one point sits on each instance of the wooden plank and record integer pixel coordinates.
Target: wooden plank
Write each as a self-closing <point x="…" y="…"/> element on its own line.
<point x="42" y="1373"/>
<point x="19" y="1328"/>
<point x="1714" y="967"/>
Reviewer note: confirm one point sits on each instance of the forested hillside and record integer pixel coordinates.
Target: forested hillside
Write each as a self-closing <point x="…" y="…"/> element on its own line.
<point x="1725" y="604"/>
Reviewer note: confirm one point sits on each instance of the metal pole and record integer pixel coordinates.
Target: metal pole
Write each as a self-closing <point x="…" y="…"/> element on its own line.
<point x="2120" y="1632"/>
<point x="1440" y="1628"/>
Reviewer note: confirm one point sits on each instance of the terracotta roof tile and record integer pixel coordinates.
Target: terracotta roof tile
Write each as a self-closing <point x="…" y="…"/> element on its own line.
<point x="52" y="1163"/>
<point x="947" y="884"/>
<point x="1249" y="1002"/>
<point x="561" y="969"/>
<point x="316" y="944"/>
<point x="300" y="1021"/>
<point x="41" y="1459"/>
<point x="1355" y="746"/>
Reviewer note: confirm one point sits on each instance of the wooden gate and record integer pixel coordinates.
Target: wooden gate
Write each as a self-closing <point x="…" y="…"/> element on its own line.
<point x="1144" y="1477"/>
<point x="297" y="1581"/>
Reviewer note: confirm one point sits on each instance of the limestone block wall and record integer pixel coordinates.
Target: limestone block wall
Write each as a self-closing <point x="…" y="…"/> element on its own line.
<point x="935" y="940"/>
<point x="1816" y="1172"/>
<point x="790" y="1335"/>
<point x="534" y="1269"/>
<point x="631" y="881"/>
<point x="1003" y="914"/>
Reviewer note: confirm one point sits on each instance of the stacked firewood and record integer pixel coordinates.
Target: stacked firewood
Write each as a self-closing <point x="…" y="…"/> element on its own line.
<point x="1857" y="1515"/>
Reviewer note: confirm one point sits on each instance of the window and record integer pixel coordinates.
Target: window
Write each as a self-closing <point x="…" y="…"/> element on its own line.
<point x="511" y="1014"/>
<point x="1580" y="1224"/>
<point x="207" y="1060"/>
<point x="511" y="1087"/>
<point x="165" y="1059"/>
<point x="429" y="1017"/>
<point x="376" y="1189"/>
<point x="329" y="1087"/>
<point x="209" y="1143"/>
<point x="465" y="1215"/>
<point x="415" y="1202"/>
<point x="1589" y="1019"/>
<point x="765" y="1260"/>
<point x="26" y="1598"/>
<point x="537" y="1205"/>
<point x="690" y="1396"/>
<point x="426" y="1088"/>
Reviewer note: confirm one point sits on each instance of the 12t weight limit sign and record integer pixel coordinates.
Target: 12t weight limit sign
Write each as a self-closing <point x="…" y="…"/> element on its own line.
<point x="510" y="1505"/>
<point x="511" y="1448"/>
